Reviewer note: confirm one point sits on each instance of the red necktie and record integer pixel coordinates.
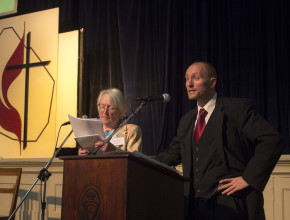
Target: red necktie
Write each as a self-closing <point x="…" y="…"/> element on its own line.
<point x="200" y="124"/>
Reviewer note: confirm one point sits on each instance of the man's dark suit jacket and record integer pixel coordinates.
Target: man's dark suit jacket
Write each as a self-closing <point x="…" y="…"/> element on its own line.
<point x="246" y="143"/>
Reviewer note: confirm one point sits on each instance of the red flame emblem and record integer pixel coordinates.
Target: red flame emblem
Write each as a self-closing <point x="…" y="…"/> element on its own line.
<point x="9" y="117"/>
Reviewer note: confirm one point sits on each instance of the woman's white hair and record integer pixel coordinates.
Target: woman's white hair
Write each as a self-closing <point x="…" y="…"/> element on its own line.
<point x="116" y="98"/>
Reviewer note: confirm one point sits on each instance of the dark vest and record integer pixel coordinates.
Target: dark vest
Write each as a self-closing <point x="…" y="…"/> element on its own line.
<point x="207" y="166"/>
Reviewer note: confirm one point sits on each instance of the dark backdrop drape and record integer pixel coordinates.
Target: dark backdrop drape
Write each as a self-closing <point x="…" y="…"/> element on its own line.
<point x="143" y="47"/>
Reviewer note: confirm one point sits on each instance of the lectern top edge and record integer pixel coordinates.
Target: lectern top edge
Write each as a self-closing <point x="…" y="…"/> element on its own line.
<point x="128" y="156"/>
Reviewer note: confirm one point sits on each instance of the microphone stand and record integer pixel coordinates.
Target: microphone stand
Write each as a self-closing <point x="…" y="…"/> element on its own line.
<point x="43" y="175"/>
<point x="144" y="102"/>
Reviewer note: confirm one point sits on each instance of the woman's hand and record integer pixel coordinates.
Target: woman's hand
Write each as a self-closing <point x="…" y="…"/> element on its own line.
<point x="107" y="147"/>
<point x="104" y="147"/>
<point x="83" y="152"/>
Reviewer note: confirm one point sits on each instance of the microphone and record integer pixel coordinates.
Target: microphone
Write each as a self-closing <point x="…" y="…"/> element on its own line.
<point x="163" y="98"/>
<point x="68" y="122"/>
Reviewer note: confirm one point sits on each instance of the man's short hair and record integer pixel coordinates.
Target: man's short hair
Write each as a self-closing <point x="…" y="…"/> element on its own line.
<point x="210" y="69"/>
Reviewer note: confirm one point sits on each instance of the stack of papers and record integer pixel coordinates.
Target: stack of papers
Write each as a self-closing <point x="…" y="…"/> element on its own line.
<point x="87" y="131"/>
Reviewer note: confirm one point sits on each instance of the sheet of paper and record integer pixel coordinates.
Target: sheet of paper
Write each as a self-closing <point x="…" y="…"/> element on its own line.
<point x="87" y="131"/>
<point x="86" y="126"/>
<point x="87" y="142"/>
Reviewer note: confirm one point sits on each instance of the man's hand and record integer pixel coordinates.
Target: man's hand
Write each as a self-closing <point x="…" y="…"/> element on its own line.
<point x="232" y="185"/>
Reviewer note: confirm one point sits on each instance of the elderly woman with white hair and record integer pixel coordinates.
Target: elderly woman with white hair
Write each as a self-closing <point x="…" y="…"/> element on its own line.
<point x="112" y="109"/>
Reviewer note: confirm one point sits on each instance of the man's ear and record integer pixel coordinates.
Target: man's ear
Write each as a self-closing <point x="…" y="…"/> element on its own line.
<point x="212" y="82"/>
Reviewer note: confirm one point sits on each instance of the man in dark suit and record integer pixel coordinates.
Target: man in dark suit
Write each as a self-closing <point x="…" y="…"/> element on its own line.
<point x="227" y="151"/>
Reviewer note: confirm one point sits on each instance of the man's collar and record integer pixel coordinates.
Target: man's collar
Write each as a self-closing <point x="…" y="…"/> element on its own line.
<point x="210" y="105"/>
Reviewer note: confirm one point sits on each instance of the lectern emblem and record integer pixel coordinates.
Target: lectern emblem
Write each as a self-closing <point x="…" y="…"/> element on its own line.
<point x="91" y="203"/>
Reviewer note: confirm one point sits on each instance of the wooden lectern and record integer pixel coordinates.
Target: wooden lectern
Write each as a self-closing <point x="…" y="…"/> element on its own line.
<point x="120" y="186"/>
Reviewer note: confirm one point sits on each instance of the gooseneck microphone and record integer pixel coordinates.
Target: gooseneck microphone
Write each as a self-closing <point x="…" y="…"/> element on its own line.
<point x="163" y="98"/>
<point x="66" y="123"/>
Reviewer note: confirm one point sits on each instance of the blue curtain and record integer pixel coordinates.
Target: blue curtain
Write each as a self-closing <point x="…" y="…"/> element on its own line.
<point x="143" y="47"/>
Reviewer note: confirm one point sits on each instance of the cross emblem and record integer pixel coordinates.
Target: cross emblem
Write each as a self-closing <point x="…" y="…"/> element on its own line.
<point x="27" y="65"/>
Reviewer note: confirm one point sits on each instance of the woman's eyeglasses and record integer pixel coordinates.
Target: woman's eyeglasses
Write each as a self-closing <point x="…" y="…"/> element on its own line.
<point x="110" y="108"/>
